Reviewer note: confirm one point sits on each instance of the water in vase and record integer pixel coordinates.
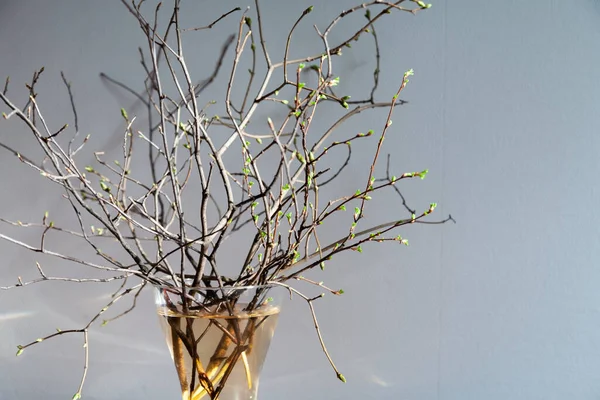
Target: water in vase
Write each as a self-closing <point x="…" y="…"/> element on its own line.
<point x="219" y="356"/>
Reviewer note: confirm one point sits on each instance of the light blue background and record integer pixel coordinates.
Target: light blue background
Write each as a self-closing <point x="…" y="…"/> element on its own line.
<point x="503" y="305"/>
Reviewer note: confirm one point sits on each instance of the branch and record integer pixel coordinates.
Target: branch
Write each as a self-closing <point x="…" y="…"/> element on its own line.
<point x="309" y="301"/>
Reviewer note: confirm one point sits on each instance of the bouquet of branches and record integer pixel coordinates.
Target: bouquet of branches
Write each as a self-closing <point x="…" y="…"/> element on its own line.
<point x="192" y="179"/>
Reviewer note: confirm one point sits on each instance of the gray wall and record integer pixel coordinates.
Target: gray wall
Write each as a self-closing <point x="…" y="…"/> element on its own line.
<point x="502" y="305"/>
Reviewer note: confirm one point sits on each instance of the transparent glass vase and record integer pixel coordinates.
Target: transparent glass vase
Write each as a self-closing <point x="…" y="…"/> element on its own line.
<point x="218" y="338"/>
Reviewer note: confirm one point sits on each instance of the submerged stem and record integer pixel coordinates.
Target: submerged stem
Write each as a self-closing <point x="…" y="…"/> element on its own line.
<point x="178" y="358"/>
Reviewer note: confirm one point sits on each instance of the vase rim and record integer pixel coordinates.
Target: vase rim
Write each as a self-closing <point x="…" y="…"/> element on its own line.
<point x="215" y="288"/>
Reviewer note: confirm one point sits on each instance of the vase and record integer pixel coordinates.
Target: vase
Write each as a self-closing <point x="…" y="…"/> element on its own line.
<point x="218" y="338"/>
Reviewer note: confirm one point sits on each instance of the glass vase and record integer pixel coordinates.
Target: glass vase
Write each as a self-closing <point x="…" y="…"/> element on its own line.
<point x="218" y="338"/>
